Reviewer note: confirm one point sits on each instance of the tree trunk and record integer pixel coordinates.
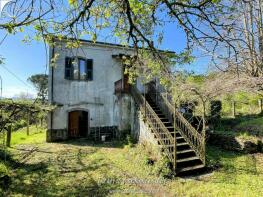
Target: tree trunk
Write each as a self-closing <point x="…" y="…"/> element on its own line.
<point x="8" y="137"/>
<point x="27" y="126"/>
<point x="260" y="105"/>
<point x="233" y="109"/>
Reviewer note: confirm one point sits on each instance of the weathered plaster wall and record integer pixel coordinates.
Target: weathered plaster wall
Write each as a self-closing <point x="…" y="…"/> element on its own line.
<point x="143" y="131"/>
<point x="124" y="103"/>
<point x="96" y="96"/>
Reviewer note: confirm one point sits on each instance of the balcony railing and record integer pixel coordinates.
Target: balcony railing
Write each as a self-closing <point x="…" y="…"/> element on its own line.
<point x="122" y="86"/>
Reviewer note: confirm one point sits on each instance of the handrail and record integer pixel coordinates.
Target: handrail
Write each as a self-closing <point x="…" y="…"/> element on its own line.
<point x="164" y="135"/>
<point x="191" y="135"/>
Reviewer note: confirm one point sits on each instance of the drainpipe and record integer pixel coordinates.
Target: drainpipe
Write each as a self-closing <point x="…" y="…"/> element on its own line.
<point x="52" y="86"/>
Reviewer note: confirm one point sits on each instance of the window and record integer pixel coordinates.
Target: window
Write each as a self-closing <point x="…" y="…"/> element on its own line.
<point x="82" y="69"/>
<point x="78" y="69"/>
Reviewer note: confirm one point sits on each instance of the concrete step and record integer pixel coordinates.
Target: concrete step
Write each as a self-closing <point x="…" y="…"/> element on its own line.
<point x="187" y="159"/>
<point x="179" y="138"/>
<point x="190" y="168"/>
<point x="164" y="119"/>
<point x="182" y="144"/>
<point x="185" y="151"/>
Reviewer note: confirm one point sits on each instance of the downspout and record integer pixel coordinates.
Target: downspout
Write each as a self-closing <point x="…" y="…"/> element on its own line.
<point x="52" y="85"/>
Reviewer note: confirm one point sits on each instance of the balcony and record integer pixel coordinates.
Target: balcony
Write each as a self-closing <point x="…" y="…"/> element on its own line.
<point x="122" y="86"/>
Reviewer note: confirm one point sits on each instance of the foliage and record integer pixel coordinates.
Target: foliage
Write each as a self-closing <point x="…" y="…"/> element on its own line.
<point x="3" y="169"/>
<point x="246" y="103"/>
<point x="205" y="24"/>
<point x="129" y="141"/>
<point x="216" y="107"/>
<point x="40" y="81"/>
<point x="18" y="124"/>
<point x="17" y="112"/>
<point x="215" y="112"/>
<point x="162" y="167"/>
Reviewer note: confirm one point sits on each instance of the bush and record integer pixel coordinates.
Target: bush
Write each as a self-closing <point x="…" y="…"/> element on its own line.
<point x="5" y="179"/>
<point x="18" y="125"/>
<point x="216" y="107"/>
<point x="3" y="170"/>
<point x="162" y="167"/>
<point x="129" y="141"/>
<point x="152" y="157"/>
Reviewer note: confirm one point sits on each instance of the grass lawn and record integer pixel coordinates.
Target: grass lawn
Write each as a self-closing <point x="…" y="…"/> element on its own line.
<point x="247" y="127"/>
<point x="81" y="168"/>
<point x="36" y="135"/>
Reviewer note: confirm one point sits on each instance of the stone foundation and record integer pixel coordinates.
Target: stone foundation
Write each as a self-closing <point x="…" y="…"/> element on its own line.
<point x="54" y="135"/>
<point x="111" y="132"/>
<point x="95" y="133"/>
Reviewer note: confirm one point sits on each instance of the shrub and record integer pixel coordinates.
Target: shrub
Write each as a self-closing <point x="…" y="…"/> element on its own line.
<point x="162" y="167"/>
<point x="129" y="141"/>
<point x="18" y="124"/>
<point x="215" y="108"/>
<point x="3" y="170"/>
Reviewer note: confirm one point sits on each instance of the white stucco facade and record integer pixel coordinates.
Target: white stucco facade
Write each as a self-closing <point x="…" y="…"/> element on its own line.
<point x="97" y="97"/>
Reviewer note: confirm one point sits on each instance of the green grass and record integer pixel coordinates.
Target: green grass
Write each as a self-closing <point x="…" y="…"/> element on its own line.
<point x="81" y="168"/>
<point x="254" y="125"/>
<point x="36" y="135"/>
<point x="246" y="127"/>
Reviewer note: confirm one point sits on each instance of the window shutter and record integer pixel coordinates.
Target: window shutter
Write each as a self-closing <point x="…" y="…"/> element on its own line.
<point x="68" y="68"/>
<point x="89" y="69"/>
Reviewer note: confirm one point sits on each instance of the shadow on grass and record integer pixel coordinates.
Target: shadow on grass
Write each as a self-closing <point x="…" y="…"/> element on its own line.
<point x="235" y="125"/>
<point x="87" y="142"/>
<point x="229" y="165"/>
<point x="66" y="174"/>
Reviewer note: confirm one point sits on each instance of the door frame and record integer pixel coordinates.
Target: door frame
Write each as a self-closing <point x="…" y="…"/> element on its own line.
<point x="79" y="109"/>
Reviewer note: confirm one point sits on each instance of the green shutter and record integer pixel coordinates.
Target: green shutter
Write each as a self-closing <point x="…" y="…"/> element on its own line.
<point x="89" y="69"/>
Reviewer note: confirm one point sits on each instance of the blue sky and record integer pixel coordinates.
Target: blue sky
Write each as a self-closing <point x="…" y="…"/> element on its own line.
<point x="21" y="59"/>
<point x="25" y="60"/>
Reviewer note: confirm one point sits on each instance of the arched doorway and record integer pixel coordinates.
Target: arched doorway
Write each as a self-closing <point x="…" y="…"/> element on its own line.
<point x="78" y="124"/>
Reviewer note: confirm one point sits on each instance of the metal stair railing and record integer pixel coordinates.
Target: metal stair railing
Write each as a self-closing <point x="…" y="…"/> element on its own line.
<point x="163" y="135"/>
<point x="195" y="139"/>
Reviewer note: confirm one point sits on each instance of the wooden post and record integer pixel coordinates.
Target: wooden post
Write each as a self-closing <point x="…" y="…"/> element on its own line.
<point x="260" y="104"/>
<point x="174" y="166"/>
<point x="144" y="101"/>
<point x="167" y="109"/>
<point x="8" y="137"/>
<point x="234" y="109"/>
<point x="4" y="144"/>
<point x="27" y="124"/>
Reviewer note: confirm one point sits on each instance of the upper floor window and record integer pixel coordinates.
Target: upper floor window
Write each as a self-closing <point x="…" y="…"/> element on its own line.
<point x="78" y="68"/>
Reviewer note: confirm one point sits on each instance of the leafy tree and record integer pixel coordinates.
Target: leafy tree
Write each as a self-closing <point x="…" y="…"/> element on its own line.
<point x="229" y="31"/>
<point x="132" y="22"/>
<point x="40" y="81"/>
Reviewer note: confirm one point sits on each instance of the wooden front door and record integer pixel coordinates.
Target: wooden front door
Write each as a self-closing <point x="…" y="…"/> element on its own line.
<point x="78" y="124"/>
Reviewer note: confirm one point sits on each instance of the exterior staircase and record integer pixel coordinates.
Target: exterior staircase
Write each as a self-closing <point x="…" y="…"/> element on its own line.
<point x="179" y="141"/>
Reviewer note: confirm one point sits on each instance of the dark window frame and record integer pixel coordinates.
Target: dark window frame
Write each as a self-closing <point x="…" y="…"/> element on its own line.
<point x="89" y="69"/>
<point x="70" y="69"/>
